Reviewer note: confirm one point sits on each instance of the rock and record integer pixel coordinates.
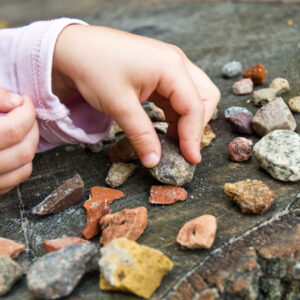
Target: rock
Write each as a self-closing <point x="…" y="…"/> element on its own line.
<point x="122" y="151"/>
<point x="232" y="69"/>
<point x="10" y="248"/>
<point x="215" y="115"/>
<point x="252" y="196"/>
<point x="155" y="113"/>
<point x="272" y="116"/>
<point x="294" y="104"/>
<point x="129" y="267"/>
<point x="128" y="223"/>
<point x="173" y="168"/>
<point x="10" y="272"/>
<point x="161" y="127"/>
<point x="118" y="173"/>
<point x="281" y="85"/>
<point x="98" y="206"/>
<point x="166" y="194"/>
<point x="240" y="149"/>
<point x="235" y="110"/>
<point x="207" y="137"/>
<point x="257" y="73"/>
<point x="56" y="274"/>
<point x="66" y="195"/>
<point x="264" y="96"/>
<point x="96" y="148"/>
<point x="58" y="244"/>
<point x="114" y="130"/>
<point x="198" y="233"/>
<point x="279" y="154"/>
<point x="243" y="86"/>
<point x="241" y="123"/>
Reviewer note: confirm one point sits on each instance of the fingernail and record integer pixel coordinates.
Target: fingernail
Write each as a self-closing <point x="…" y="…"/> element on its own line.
<point x="150" y="160"/>
<point x="15" y="99"/>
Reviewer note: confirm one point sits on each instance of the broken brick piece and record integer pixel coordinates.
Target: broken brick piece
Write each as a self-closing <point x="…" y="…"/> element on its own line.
<point x="257" y="73"/>
<point x="167" y="194"/>
<point x="122" y="151"/>
<point x="57" y="244"/>
<point x="128" y="223"/>
<point x="10" y="248"/>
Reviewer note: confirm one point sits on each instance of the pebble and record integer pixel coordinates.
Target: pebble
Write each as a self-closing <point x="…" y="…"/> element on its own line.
<point x="274" y="115"/>
<point x="232" y="69"/>
<point x="281" y="85"/>
<point x="252" y="196"/>
<point x="161" y="127"/>
<point x="173" y="168"/>
<point x="264" y="96"/>
<point x="279" y="154"/>
<point x="58" y="244"/>
<point x="122" y="151"/>
<point x="10" y="248"/>
<point x="10" y="272"/>
<point x="235" y="110"/>
<point x="243" y="86"/>
<point x="241" y="123"/>
<point x="166" y="194"/>
<point x="198" y="233"/>
<point x="66" y="195"/>
<point x="257" y="73"/>
<point x="119" y="173"/>
<point x="207" y="137"/>
<point x="129" y="267"/>
<point x="294" y="104"/>
<point x="240" y="149"/>
<point x="114" y="130"/>
<point x="95" y="148"/>
<point x="128" y="223"/>
<point x="215" y="115"/>
<point x="56" y="274"/>
<point x="155" y="113"/>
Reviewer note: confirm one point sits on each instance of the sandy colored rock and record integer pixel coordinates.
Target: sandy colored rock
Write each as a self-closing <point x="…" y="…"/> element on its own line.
<point x="252" y="196"/>
<point x="129" y="267"/>
<point x="66" y="195"/>
<point x="241" y="123"/>
<point x="122" y="151"/>
<point x="272" y="116"/>
<point x="58" y="244"/>
<point x="232" y="110"/>
<point x="208" y="136"/>
<point x="264" y="96"/>
<point x="257" y="73"/>
<point x="119" y="173"/>
<point x="243" y="86"/>
<point x="294" y="104"/>
<point x="10" y="248"/>
<point x="281" y="85"/>
<point x="128" y="223"/>
<point x="166" y="194"/>
<point x="198" y="233"/>
<point x="240" y="149"/>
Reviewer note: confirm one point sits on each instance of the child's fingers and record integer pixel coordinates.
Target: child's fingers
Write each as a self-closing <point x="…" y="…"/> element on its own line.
<point x="9" y="101"/>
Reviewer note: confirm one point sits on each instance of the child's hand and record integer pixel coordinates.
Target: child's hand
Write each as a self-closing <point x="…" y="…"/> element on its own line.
<point x="115" y="71"/>
<point x="19" y="138"/>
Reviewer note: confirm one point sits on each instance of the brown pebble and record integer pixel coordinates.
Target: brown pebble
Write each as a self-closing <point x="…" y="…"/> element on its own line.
<point x="240" y="149"/>
<point x="207" y="137"/>
<point x="10" y="248"/>
<point x="57" y="244"/>
<point x="198" y="233"/>
<point x="128" y="223"/>
<point x="167" y="194"/>
<point x="122" y="151"/>
<point x="257" y="73"/>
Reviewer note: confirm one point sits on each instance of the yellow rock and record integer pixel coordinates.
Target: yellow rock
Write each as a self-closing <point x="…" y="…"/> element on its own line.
<point x="208" y="136"/>
<point x="129" y="267"/>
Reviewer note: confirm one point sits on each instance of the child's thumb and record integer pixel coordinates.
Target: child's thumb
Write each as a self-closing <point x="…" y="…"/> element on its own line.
<point x="9" y="101"/>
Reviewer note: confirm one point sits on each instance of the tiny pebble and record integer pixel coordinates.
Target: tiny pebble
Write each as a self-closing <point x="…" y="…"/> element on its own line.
<point x="243" y="87"/>
<point x="232" y="69"/>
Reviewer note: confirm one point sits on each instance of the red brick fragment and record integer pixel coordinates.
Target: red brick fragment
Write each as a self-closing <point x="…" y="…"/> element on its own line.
<point x="57" y="244"/>
<point x="122" y="151"/>
<point x="167" y="194"/>
<point x="257" y="73"/>
<point x="10" y="248"/>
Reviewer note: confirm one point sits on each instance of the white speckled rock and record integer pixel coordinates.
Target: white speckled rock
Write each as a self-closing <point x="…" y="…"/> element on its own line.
<point x="235" y="110"/>
<point x="264" y="96"/>
<point x="281" y="85"/>
<point x="294" y="104"/>
<point x="232" y="69"/>
<point x="279" y="154"/>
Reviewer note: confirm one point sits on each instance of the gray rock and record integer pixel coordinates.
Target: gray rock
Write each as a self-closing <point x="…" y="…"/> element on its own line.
<point x="235" y="110"/>
<point x="215" y="115"/>
<point x="161" y="127"/>
<point x="241" y="123"/>
<point x="272" y="116"/>
<point x="279" y="154"/>
<point x="96" y="148"/>
<point x="173" y="168"/>
<point x="56" y="274"/>
<point x="264" y="96"/>
<point x="232" y="69"/>
<point x="10" y="272"/>
<point x="155" y="113"/>
<point x="294" y="104"/>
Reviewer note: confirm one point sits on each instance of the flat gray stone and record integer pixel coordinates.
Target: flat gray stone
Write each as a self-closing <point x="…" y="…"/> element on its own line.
<point x="232" y="69"/>
<point x="232" y="110"/>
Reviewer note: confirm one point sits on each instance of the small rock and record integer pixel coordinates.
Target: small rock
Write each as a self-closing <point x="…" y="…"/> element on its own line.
<point x="66" y="195"/>
<point x="114" y="130"/>
<point x="58" y="244"/>
<point x="281" y="85"/>
<point x="10" y="248"/>
<point x="166" y="194"/>
<point x="208" y="136"/>
<point x="128" y="223"/>
<point x="129" y="267"/>
<point x="294" y="104"/>
<point x="118" y="173"/>
<point x="232" y="69"/>
<point x="69" y="148"/>
<point x="56" y="274"/>
<point x="98" y="206"/>
<point x="10" y="272"/>
<point x="243" y="86"/>
<point x="173" y="168"/>
<point x="161" y="127"/>
<point x="198" y="233"/>
<point x="95" y="148"/>
<point x="264" y="96"/>
<point x="274" y="115"/>
<point x="279" y="154"/>
<point x="257" y="73"/>
<point x="242" y="123"/>
<point x="215" y="115"/>
<point x="155" y="113"/>
<point x="232" y="110"/>
<point x="252" y="196"/>
<point x="122" y="151"/>
<point x="240" y="149"/>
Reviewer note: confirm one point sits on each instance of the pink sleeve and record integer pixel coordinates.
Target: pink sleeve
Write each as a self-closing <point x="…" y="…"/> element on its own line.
<point x="25" y="68"/>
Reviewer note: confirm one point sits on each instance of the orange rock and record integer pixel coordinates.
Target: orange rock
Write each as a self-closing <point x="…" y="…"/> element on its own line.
<point x="57" y="244"/>
<point x="257" y="73"/>
<point x="122" y="151"/>
<point x="98" y="206"/>
<point x="166" y="194"/>
<point x="128" y="223"/>
<point x="10" y="248"/>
